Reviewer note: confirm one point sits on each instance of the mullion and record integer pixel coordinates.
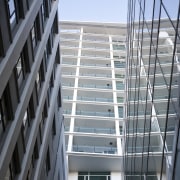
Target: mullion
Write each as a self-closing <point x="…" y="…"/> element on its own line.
<point x="169" y="95"/>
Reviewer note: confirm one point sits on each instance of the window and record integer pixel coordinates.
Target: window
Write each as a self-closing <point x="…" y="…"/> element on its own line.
<point x="120" y="110"/>
<point x="119" y="64"/>
<point x="15" y="163"/>
<point x="119" y="85"/>
<point x="5" y="110"/>
<point x="34" y="36"/>
<point x="36" y="150"/>
<point x="20" y="70"/>
<point x="48" y="165"/>
<point x="120" y="99"/>
<point x="43" y="14"/>
<point x="12" y="13"/>
<point x="38" y="84"/>
<point x="118" y="47"/>
<point x="54" y="126"/>
<point x="119" y="76"/>
<point x="49" y="46"/>
<point x="94" y="176"/>
<point x="1" y="120"/>
<point x="59" y="98"/>
<point x="26" y="123"/>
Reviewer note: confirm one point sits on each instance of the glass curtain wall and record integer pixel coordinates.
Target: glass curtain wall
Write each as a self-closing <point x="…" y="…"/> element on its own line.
<point x="152" y="118"/>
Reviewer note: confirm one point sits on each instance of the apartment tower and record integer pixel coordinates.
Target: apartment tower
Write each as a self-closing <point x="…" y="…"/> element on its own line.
<point x="121" y="95"/>
<point x="93" y="84"/>
<point x="31" y="121"/>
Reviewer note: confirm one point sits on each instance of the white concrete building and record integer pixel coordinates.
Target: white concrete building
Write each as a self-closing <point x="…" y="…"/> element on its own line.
<point x="120" y="91"/>
<point x="93" y="72"/>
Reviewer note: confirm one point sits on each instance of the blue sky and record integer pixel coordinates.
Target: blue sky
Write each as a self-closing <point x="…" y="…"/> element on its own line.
<point x="93" y="10"/>
<point x="110" y="10"/>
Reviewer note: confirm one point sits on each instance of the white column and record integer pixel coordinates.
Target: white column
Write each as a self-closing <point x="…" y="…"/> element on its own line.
<point x="71" y="129"/>
<point x="116" y="113"/>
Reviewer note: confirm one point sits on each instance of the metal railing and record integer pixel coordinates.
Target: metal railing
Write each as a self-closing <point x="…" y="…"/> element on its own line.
<point x="95" y="86"/>
<point x="91" y="113"/>
<point x="94" y="149"/>
<point x="95" y="130"/>
<point x="94" y="99"/>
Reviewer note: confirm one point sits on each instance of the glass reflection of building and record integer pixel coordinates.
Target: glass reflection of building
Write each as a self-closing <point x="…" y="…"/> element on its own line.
<point x="152" y="111"/>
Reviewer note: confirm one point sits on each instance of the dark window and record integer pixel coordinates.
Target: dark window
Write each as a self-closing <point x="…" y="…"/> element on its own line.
<point x="20" y="69"/>
<point x="46" y="56"/>
<point x="38" y="82"/>
<point x="15" y="164"/>
<point x="52" y="80"/>
<point x="54" y="126"/>
<point x="34" y="36"/>
<point x="120" y="110"/>
<point x="48" y="165"/>
<point x="13" y="19"/>
<point x="26" y="125"/>
<point x="36" y="150"/>
<point x="5" y="110"/>
<point x="43" y="15"/>
<point x="59" y="98"/>
<point x="119" y="64"/>
<point x="1" y="121"/>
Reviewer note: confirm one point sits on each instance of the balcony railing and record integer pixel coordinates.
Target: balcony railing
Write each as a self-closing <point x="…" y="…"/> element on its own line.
<point x="139" y="130"/>
<point x="95" y="86"/>
<point x="95" y="130"/>
<point x="66" y="111"/>
<point x="150" y="148"/>
<point x="92" y="113"/>
<point x="96" y="75"/>
<point x="97" y="65"/>
<point x="69" y="62"/>
<point x="94" y="99"/>
<point x="139" y="149"/>
<point x="95" y="149"/>
<point x="68" y="84"/>
<point x="96" y="56"/>
<point x="68" y="73"/>
<point x="68" y="97"/>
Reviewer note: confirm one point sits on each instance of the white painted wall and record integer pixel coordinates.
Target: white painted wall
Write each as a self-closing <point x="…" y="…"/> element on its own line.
<point x="73" y="176"/>
<point x="116" y="176"/>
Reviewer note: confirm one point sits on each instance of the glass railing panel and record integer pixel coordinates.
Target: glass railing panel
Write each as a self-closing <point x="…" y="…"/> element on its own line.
<point x="95" y="149"/>
<point x="139" y="113"/>
<point x="141" y="149"/>
<point x="68" y="97"/>
<point x="169" y="128"/>
<point x="164" y="111"/>
<point x="69" y="63"/>
<point x="68" y="73"/>
<point x="95" y="86"/>
<point x="66" y="111"/>
<point x="66" y="128"/>
<point x="95" y="130"/>
<point x="89" y="113"/>
<point x="140" y="130"/>
<point x="98" y="65"/>
<point x="68" y="84"/>
<point x="119" y="86"/>
<point x="94" y="99"/>
<point x="96" y="75"/>
<point x="98" y="56"/>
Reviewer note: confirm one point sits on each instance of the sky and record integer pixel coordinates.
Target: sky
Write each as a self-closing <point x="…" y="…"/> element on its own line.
<point x="93" y="10"/>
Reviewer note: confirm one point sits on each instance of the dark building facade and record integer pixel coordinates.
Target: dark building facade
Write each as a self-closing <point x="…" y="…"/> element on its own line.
<point x="152" y="90"/>
<point x="31" y="122"/>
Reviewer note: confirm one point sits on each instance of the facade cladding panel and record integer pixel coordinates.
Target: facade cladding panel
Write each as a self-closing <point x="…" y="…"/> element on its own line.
<point x="152" y="91"/>
<point x="31" y="123"/>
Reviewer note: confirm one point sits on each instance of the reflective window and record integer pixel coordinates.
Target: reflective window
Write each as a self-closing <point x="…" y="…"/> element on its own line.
<point x="12" y="13"/>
